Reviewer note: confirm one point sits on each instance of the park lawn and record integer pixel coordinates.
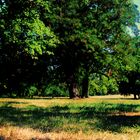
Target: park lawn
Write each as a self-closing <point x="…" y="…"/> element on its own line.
<point x="96" y="118"/>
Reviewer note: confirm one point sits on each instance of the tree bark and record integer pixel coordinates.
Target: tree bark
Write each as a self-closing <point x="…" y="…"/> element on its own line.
<point x="73" y="90"/>
<point x="135" y="96"/>
<point x="85" y="84"/>
<point x="139" y="96"/>
<point x="73" y="87"/>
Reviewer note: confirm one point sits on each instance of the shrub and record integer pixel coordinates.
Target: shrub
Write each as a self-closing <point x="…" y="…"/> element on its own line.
<point x="55" y="91"/>
<point x="101" y="85"/>
<point x="31" y="91"/>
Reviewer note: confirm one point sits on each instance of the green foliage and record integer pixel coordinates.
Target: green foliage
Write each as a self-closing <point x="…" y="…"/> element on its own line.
<point x="66" y="40"/>
<point x="25" y="30"/>
<point x="31" y="91"/>
<point x="55" y="91"/>
<point x="102" y="85"/>
<point x="93" y="37"/>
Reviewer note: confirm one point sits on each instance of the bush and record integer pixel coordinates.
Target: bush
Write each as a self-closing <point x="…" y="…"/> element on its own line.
<point x="55" y="91"/>
<point x="31" y="91"/>
<point x="101" y="85"/>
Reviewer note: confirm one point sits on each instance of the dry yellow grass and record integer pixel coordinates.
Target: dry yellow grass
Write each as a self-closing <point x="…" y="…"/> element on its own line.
<point x="17" y="133"/>
<point x="43" y="102"/>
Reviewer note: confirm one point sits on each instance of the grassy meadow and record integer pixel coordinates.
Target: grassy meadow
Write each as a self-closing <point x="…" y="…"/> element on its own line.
<point x="112" y="117"/>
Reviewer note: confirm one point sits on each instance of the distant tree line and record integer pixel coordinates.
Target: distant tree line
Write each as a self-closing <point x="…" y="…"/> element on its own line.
<point x="70" y="48"/>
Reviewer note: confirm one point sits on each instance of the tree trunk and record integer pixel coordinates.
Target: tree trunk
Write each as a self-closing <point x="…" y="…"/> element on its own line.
<point x="138" y="95"/>
<point x="135" y="96"/>
<point x="73" y="90"/>
<point x="85" y="84"/>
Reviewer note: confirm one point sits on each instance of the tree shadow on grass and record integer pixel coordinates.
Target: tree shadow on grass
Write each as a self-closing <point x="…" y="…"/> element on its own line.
<point x="67" y="118"/>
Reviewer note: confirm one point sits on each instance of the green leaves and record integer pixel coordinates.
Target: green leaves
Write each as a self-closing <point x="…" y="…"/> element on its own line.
<point x="79" y="37"/>
<point x="39" y="38"/>
<point x="28" y="31"/>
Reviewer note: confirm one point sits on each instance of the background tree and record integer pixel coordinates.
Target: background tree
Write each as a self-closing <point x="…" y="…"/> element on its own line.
<point x="131" y="74"/>
<point x="23" y="39"/>
<point x="129" y="83"/>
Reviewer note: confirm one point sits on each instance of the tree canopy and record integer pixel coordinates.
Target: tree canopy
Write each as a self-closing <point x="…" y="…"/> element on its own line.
<point x="66" y="42"/>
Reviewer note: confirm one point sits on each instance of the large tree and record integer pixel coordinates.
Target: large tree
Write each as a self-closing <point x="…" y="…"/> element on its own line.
<point x="81" y="37"/>
<point x="93" y="38"/>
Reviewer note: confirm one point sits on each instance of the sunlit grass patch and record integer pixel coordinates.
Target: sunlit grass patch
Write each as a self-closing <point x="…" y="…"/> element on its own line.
<point x="45" y="102"/>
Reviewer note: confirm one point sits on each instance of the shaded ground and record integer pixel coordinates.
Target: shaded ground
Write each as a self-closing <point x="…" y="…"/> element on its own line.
<point x="73" y="118"/>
